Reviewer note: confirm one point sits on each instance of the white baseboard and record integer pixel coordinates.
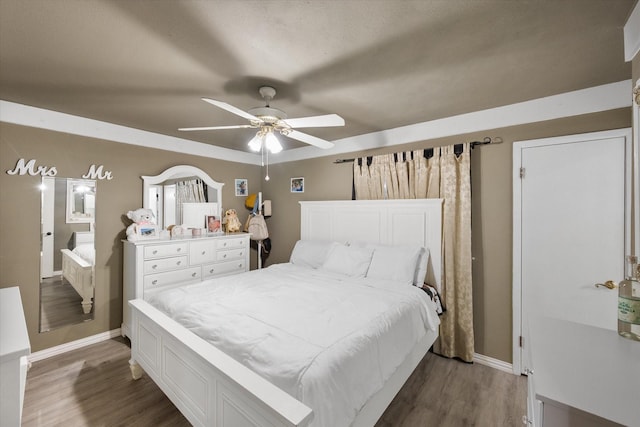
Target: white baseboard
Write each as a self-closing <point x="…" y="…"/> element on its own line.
<point x="63" y="348"/>
<point x="493" y="363"/>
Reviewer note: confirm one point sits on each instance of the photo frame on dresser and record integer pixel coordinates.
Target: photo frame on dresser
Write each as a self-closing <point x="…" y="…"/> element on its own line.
<point x="147" y="231"/>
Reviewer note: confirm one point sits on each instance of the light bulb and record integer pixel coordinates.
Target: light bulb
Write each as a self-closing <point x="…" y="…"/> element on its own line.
<point x="272" y="143"/>
<point x="256" y="142"/>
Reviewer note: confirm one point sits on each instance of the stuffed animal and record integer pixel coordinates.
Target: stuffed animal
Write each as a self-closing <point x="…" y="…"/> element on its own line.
<point x="233" y="223"/>
<point x="140" y="218"/>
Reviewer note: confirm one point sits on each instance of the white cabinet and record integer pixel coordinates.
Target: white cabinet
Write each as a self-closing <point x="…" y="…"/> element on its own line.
<point x="14" y="349"/>
<point x="582" y="376"/>
<point x="154" y="265"/>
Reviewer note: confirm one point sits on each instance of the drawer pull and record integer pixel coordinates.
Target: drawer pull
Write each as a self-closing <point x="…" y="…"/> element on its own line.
<point x="179" y="262"/>
<point x="204" y="252"/>
<point x="179" y="249"/>
<point x="155" y="266"/>
<point x="155" y="282"/>
<point x="239" y="265"/>
<point x="224" y="256"/>
<point x="155" y="251"/>
<point x="241" y="254"/>
<point x="224" y="244"/>
<point x="194" y="274"/>
<point x="211" y="271"/>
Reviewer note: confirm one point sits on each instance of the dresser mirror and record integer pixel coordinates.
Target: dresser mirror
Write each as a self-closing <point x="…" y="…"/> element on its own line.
<point x="182" y="195"/>
<point x="67" y="252"/>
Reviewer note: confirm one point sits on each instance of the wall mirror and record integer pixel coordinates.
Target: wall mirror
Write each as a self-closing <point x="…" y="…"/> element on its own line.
<point x="67" y="252"/>
<point x="182" y="195"/>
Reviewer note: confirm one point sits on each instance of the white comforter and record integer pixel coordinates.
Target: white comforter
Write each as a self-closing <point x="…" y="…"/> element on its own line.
<point x="86" y="252"/>
<point x="328" y="340"/>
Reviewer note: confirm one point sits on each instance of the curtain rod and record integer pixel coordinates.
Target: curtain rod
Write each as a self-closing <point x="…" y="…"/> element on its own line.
<point x="485" y="141"/>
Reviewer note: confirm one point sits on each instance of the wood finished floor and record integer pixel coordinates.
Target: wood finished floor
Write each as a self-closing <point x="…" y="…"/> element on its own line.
<point x="60" y="304"/>
<point x="92" y="386"/>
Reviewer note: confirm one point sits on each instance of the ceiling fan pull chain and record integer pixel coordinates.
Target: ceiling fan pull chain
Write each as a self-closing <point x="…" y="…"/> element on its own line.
<point x="266" y="178"/>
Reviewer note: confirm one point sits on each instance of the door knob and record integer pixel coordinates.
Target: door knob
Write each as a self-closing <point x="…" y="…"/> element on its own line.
<point x="609" y="284"/>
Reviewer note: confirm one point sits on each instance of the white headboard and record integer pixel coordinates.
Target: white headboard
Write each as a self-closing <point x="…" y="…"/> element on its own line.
<point x="387" y="222"/>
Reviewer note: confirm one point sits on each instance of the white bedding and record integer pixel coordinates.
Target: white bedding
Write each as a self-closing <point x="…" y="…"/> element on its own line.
<point x="328" y="340"/>
<point x="86" y="251"/>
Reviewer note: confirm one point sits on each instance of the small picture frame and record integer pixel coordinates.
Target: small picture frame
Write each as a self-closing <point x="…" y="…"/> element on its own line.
<point x="242" y="187"/>
<point x="147" y="231"/>
<point x="297" y="185"/>
<point x="213" y="224"/>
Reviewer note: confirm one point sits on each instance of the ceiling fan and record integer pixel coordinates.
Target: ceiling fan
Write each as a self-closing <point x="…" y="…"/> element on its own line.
<point x="269" y="120"/>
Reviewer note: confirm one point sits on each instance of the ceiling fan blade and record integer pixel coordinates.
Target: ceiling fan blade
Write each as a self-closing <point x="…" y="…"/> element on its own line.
<point x="316" y="121"/>
<point x="231" y="109"/>
<point x="318" y="142"/>
<point x="216" y="127"/>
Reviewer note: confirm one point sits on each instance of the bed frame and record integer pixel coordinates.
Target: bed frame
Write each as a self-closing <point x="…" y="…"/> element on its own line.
<point x="212" y="389"/>
<point x="78" y="271"/>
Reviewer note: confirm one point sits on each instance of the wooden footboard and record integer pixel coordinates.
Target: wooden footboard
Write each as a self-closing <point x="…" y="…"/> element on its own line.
<point x="209" y="387"/>
<point x="79" y="273"/>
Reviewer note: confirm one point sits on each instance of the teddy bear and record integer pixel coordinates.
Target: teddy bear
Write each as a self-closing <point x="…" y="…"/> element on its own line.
<point x="233" y="223"/>
<point x="140" y="218"/>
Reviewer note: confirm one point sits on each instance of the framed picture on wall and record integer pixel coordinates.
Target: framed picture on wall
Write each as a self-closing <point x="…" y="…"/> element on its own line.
<point x="242" y="187"/>
<point x="297" y="185"/>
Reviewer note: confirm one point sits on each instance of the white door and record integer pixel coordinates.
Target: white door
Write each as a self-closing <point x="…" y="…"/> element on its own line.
<point x="571" y="229"/>
<point x="47" y="216"/>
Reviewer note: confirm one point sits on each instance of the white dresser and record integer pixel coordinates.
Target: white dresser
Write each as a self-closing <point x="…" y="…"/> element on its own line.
<point x="582" y="376"/>
<point x="14" y="349"/>
<point x="152" y="265"/>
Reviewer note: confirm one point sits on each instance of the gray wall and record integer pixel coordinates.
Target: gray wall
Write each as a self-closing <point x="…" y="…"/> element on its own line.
<point x="324" y="180"/>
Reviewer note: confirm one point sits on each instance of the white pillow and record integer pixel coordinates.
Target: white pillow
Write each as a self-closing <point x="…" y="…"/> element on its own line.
<point x="348" y="260"/>
<point x="397" y="264"/>
<point x="421" y="267"/>
<point x="311" y="253"/>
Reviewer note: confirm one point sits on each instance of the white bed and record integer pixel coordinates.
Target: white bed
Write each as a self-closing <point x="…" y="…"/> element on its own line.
<point x="211" y="387"/>
<point x="78" y="266"/>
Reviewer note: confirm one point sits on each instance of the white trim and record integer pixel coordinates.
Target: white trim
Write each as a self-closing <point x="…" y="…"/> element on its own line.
<point x="592" y="100"/>
<point x="636" y="174"/>
<point x="494" y="363"/>
<point x="73" y="345"/>
<point x="632" y="35"/>
<point x="19" y="114"/>
<point x="518" y="147"/>
<point x="596" y="99"/>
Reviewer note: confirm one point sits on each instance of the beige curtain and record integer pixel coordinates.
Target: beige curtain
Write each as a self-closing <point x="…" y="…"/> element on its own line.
<point x="446" y="175"/>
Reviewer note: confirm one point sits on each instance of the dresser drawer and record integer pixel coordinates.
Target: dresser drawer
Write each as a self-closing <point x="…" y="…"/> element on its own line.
<point x="212" y="270"/>
<point x="234" y="243"/>
<point x="162" y="279"/>
<point x="164" y="264"/>
<point x="231" y="254"/>
<point x="159" y="251"/>
<point x="201" y="252"/>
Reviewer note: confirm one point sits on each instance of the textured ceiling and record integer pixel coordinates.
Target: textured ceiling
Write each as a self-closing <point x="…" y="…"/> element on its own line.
<point x="379" y="64"/>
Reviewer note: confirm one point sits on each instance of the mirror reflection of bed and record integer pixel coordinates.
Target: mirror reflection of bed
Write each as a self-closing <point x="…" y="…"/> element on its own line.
<point x="67" y="252"/>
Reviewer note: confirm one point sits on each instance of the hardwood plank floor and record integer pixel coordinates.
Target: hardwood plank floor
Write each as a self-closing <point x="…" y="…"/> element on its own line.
<point x="92" y="387"/>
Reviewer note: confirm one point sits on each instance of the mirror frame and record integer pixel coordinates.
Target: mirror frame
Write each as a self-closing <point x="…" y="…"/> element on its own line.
<point x="182" y="171"/>
<point x="72" y="217"/>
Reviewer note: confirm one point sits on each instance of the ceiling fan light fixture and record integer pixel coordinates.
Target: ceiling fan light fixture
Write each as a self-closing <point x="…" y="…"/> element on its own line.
<point x="272" y="143"/>
<point x="256" y="143"/>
